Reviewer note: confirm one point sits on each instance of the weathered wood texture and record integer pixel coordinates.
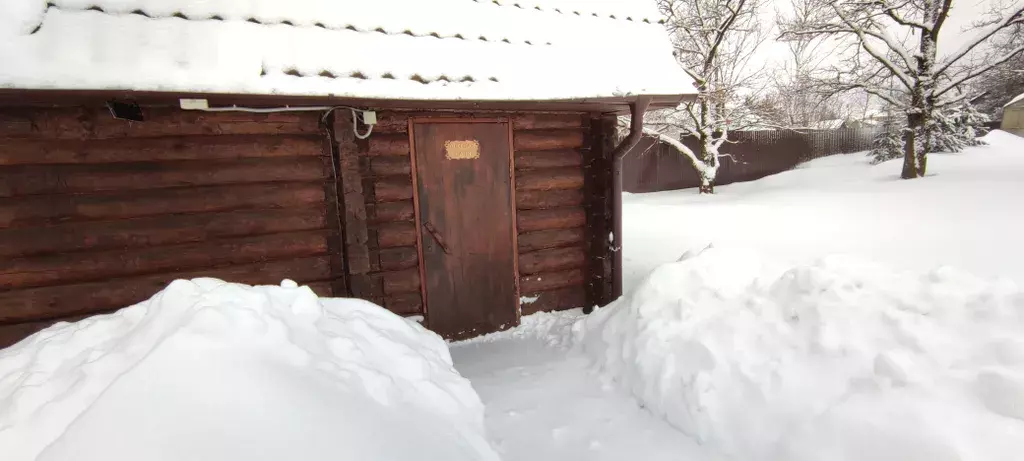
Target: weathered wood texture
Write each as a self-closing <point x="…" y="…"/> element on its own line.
<point x="98" y="213"/>
<point x="550" y="160"/>
<point x="598" y="177"/>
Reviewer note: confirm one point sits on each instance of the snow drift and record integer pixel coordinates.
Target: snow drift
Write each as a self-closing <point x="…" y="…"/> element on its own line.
<point x="837" y="360"/>
<point x="213" y="370"/>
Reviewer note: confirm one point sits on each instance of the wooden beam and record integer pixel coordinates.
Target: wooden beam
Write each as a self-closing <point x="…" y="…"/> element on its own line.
<point x="22" y="180"/>
<point x="49" y="98"/>
<point x="65" y="268"/>
<point x="51" y="209"/>
<point x="36" y="304"/>
<point x="353" y="202"/>
<point x="539" y="199"/>
<point x="554" y="300"/>
<point x="155" y="231"/>
<point x="552" y="259"/>
<point x="598" y="186"/>
<point x="539" y="140"/>
<point x="549" y="179"/>
<point x="555" y="238"/>
<point x="554" y="218"/>
<point x="164" y="149"/>
<point x="551" y="280"/>
<point x="528" y="160"/>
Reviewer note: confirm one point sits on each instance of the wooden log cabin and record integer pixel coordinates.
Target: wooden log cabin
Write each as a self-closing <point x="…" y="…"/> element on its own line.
<point x="453" y="159"/>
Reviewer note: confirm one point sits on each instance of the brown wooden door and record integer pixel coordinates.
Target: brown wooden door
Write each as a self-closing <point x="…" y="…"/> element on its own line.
<point x="466" y="226"/>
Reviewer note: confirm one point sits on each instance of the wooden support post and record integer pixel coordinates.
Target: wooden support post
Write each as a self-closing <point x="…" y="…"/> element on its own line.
<point x="335" y="234"/>
<point x="598" y="186"/>
<point x="355" y="231"/>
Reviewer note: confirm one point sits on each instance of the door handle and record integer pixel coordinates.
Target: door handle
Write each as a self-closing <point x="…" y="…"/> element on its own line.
<point x="437" y="237"/>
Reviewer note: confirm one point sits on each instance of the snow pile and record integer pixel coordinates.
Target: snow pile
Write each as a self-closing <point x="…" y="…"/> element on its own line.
<point x="838" y="360"/>
<point x="213" y="370"/>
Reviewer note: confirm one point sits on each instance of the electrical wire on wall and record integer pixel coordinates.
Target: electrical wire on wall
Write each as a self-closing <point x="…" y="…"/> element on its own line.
<point x="367" y="117"/>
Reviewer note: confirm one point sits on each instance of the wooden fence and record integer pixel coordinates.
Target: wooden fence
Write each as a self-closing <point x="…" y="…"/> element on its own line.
<point x="655" y="166"/>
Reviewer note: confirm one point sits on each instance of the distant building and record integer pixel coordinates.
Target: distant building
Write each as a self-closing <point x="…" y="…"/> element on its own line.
<point x="1013" y="115"/>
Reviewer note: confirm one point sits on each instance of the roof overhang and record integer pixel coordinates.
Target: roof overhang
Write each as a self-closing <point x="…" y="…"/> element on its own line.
<point x="65" y="98"/>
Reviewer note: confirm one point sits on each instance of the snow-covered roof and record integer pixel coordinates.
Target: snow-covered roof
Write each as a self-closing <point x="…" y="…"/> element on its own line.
<point x="393" y="49"/>
<point x="1018" y="98"/>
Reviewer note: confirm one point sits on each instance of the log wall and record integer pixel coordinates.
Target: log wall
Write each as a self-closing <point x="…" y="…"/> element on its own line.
<point x="98" y="213"/>
<point x="551" y="222"/>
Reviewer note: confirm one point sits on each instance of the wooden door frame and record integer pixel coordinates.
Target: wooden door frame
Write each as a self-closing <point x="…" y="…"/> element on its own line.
<point x="416" y="201"/>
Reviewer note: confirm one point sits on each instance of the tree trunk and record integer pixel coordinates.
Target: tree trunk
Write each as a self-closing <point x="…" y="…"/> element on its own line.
<point x="916" y="118"/>
<point x="909" y="156"/>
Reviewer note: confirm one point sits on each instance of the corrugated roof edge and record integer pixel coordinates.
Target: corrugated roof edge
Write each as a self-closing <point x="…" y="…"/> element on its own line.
<point x="518" y="4"/>
<point x="336" y="27"/>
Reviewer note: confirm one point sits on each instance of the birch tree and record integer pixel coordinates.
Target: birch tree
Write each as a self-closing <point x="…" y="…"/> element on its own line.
<point x="898" y="58"/>
<point x="715" y="41"/>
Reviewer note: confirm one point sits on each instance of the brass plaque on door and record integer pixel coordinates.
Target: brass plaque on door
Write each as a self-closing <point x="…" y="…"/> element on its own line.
<point x="461" y="150"/>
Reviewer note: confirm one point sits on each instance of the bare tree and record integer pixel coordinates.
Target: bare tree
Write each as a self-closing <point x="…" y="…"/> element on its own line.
<point x="898" y="58"/>
<point x="798" y="100"/>
<point x="1004" y="82"/>
<point x="715" y="41"/>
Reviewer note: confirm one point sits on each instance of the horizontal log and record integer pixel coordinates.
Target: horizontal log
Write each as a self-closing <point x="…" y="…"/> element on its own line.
<point x="396" y="234"/>
<point x="383" y="144"/>
<point x="395" y="259"/>
<point x="155" y="231"/>
<point x="322" y="289"/>
<point x="66" y="268"/>
<point x="392" y="211"/>
<point x="545" y="239"/>
<point x="391" y="122"/>
<point x="11" y="334"/>
<point x="24" y="180"/>
<point x="553" y="300"/>
<point x="529" y="160"/>
<point x="554" y="218"/>
<point x="97" y="123"/>
<point x="553" y="259"/>
<point x="392" y="189"/>
<point x="396" y="282"/>
<point x="538" y="199"/>
<point x="388" y="166"/>
<point x="545" y="121"/>
<point x="120" y="150"/>
<point x="368" y="287"/>
<point x="550" y="280"/>
<point x="550" y="179"/>
<point x="534" y="140"/>
<point x="43" y="209"/>
<point x="405" y="304"/>
<point x="60" y="301"/>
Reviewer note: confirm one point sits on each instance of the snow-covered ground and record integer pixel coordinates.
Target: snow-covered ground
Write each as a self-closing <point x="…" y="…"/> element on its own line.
<point x="838" y="360"/>
<point x="545" y="403"/>
<point x="842" y="314"/>
<point x="207" y="370"/>
<point x="822" y="325"/>
<point x="967" y="214"/>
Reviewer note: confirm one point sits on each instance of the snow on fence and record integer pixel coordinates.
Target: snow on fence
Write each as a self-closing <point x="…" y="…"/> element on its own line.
<point x="749" y="155"/>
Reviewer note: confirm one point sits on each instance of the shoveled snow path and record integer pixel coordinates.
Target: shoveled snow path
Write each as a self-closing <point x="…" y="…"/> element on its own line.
<point x="544" y="403"/>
